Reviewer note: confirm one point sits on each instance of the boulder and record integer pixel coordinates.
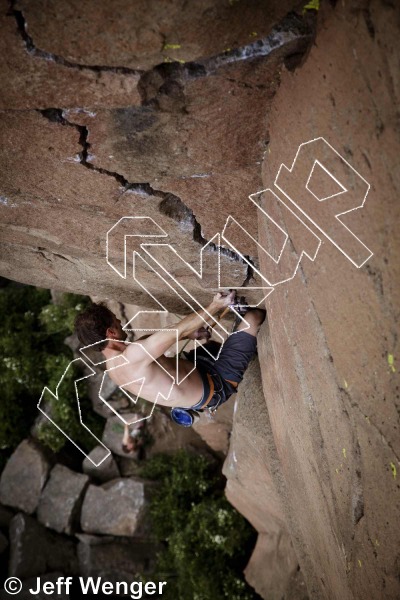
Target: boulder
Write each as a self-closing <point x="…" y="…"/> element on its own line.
<point x="106" y="470"/>
<point x="117" y="507"/>
<point x="24" y="476"/>
<point x="35" y="550"/>
<point x="115" y="558"/>
<point x="61" y="499"/>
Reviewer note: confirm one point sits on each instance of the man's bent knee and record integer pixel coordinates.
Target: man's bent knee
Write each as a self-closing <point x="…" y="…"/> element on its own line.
<point x="254" y="318"/>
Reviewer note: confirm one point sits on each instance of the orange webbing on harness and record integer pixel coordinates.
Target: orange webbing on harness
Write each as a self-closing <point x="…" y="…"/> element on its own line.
<point x="212" y="389"/>
<point x="234" y="383"/>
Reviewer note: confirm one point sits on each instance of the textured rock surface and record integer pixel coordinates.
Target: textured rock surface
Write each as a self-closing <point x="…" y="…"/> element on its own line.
<point x="117" y="160"/>
<point x="185" y="143"/>
<point x="142" y="34"/>
<point x="35" y="550"/>
<point x="108" y="469"/>
<point x="332" y="397"/>
<point x="23" y="477"/>
<point x="251" y="490"/>
<point x="113" y="558"/>
<point x="273" y="568"/>
<point x="217" y="430"/>
<point x="36" y="81"/>
<point x="61" y="499"/>
<point x="116" y="508"/>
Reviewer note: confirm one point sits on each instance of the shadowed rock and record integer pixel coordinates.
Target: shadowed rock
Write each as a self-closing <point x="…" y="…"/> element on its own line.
<point x="23" y="477"/>
<point x="61" y="499"/>
<point x="35" y="550"/>
<point x="114" y="558"/>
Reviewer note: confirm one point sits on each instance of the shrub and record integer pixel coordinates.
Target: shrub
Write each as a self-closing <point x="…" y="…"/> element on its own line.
<point x="206" y="541"/>
<point x="32" y="332"/>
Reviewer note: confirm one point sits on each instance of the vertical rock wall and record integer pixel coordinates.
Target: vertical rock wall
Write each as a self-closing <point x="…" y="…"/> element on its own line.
<point x="172" y="114"/>
<point x="330" y="355"/>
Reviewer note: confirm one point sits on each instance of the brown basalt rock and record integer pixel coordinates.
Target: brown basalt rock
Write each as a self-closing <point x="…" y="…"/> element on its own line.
<point x="38" y="82"/>
<point x="216" y="430"/>
<point x="34" y="194"/>
<point x="185" y="144"/>
<point x="142" y="34"/>
<point x="331" y="392"/>
<point x="251" y="489"/>
<point x="115" y="163"/>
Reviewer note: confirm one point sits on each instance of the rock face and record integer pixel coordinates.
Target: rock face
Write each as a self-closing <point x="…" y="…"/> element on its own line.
<point x="108" y="469"/>
<point x="217" y="430"/>
<point x="184" y="144"/>
<point x="35" y="550"/>
<point x="61" y="499"/>
<point x="113" y="558"/>
<point x="114" y="150"/>
<point x="115" y="508"/>
<point x="330" y="389"/>
<point x="251" y="489"/>
<point x="23" y="477"/>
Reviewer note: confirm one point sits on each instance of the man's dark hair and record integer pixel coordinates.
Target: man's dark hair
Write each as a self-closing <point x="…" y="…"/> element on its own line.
<point x="91" y="324"/>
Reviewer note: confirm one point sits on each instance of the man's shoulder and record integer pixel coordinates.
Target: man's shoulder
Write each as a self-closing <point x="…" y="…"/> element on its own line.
<point x="135" y="353"/>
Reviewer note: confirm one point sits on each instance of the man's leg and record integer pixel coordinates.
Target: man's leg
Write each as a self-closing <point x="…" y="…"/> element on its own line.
<point x="254" y="317"/>
<point x="239" y="348"/>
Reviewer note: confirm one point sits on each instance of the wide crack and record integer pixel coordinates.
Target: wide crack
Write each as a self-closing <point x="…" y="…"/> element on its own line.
<point x="170" y="205"/>
<point x="292" y="32"/>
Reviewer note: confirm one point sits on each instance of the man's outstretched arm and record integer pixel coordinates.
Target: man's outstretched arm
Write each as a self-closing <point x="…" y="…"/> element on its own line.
<point x="157" y="343"/>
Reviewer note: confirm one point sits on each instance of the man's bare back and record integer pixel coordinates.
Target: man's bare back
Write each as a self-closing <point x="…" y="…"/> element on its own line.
<point x="157" y="380"/>
<point x="150" y="374"/>
<point x="141" y="367"/>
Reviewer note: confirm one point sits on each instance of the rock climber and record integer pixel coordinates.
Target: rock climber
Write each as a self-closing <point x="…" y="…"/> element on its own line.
<point x="147" y="372"/>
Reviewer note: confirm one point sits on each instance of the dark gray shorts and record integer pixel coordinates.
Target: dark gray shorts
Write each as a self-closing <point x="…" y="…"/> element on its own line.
<point x="233" y="360"/>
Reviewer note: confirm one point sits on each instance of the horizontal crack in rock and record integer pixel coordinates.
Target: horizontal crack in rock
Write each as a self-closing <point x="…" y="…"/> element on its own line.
<point x="34" y="51"/>
<point x="291" y="29"/>
<point x="170" y="205"/>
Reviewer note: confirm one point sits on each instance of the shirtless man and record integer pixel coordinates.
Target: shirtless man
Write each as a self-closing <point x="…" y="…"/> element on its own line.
<point x="208" y="385"/>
